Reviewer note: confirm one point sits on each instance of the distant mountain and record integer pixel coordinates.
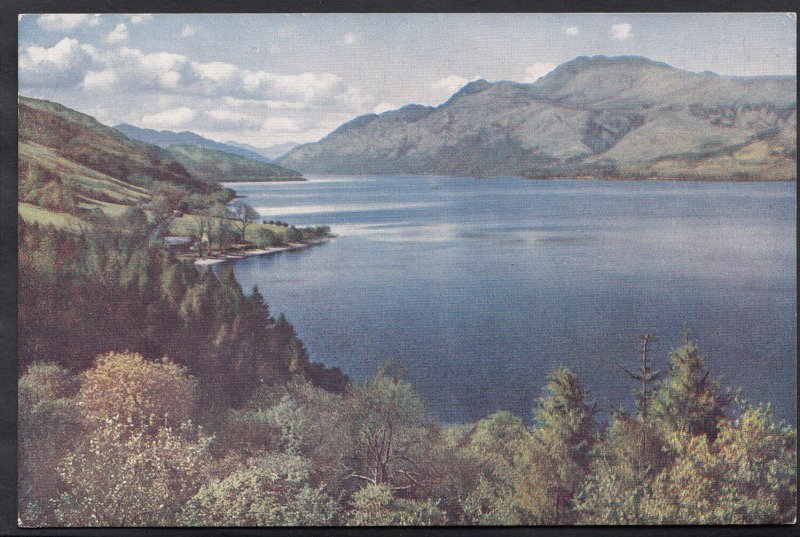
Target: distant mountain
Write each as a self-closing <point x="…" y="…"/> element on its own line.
<point x="222" y="167"/>
<point x="168" y="138"/>
<point x="272" y="152"/>
<point x="68" y="161"/>
<point x="591" y="117"/>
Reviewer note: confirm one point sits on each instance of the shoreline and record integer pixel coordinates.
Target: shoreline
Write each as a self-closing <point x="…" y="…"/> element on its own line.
<point x="664" y="179"/>
<point x="207" y="261"/>
<point x="691" y="179"/>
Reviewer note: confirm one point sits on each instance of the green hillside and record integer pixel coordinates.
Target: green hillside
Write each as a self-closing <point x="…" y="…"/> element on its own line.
<point x="69" y="163"/>
<point x="222" y="167"/>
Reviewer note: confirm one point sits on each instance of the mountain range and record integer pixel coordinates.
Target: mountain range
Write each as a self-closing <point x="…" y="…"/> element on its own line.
<point x="604" y="117"/>
<point x="167" y="138"/>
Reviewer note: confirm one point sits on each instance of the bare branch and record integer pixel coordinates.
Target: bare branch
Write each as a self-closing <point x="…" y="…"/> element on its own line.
<point x="365" y="478"/>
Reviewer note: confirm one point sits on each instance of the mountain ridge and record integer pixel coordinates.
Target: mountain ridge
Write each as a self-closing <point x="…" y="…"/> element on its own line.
<point x="270" y="152"/>
<point x="67" y="137"/>
<point x="597" y="116"/>
<point x="166" y="138"/>
<point x="223" y="167"/>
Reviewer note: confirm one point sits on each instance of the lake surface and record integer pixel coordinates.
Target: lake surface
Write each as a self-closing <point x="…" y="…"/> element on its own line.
<point x="481" y="287"/>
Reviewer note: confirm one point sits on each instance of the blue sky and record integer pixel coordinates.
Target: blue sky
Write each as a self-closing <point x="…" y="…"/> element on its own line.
<point x="267" y="79"/>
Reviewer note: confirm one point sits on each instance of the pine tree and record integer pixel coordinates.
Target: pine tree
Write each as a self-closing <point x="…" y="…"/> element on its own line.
<point x="688" y="402"/>
<point x="554" y="466"/>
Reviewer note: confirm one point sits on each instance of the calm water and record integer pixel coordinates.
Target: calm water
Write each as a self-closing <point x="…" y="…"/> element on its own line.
<point x="481" y="287"/>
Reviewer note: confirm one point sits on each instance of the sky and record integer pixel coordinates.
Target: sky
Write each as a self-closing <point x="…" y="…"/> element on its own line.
<point x="274" y="78"/>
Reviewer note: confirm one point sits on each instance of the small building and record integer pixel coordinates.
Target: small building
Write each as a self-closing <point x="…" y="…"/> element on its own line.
<point x="178" y="244"/>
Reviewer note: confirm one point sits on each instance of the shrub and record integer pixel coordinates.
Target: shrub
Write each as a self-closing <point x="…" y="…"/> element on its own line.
<point x="271" y="490"/>
<point x="122" y="475"/>
<point x="266" y="237"/>
<point x="127" y="388"/>
<point x="49" y="425"/>
<point x="376" y="505"/>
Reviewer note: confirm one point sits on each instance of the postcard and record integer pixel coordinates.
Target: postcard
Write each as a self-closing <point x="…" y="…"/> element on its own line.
<point x="381" y="269"/>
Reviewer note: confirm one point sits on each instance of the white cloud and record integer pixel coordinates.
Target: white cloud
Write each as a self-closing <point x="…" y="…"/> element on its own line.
<point x="281" y="124"/>
<point x="353" y="99"/>
<point x="272" y="105"/>
<point x="226" y="115"/>
<point x="188" y="31"/>
<point x="158" y="70"/>
<point x="621" y="31"/>
<point x="307" y="87"/>
<point x="572" y="31"/>
<point x="59" y="56"/>
<point x="65" y="21"/>
<point x="222" y="119"/>
<point x="64" y="64"/>
<point x="169" y="119"/>
<point x="68" y="62"/>
<point x="384" y="107"/>
<point x="119" y="33"/>
<point x="216" y="71"/>
<point x="99" y="80"/>
<point x="166" y="90"/>
<point x="444" y="87"/>
<point x="537" y="70"/>
<point x="275" y="49"/>
<point x="350" y="38"/>
<point x="140" y="18"/>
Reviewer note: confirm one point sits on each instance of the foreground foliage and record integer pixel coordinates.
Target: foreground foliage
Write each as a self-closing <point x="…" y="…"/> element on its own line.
<point x="151" y="394"/>
<point x="113" y="446"/>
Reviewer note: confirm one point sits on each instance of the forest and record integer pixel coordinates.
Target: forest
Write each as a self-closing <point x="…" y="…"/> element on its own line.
<point x="155" y="394"/>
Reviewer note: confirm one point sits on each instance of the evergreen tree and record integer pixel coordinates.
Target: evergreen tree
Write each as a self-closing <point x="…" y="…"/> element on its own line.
<point x="688" y="402"/>
<point x="622" y="474"/>
<point x="50" y="425"/>
<point x="553" y="466"/>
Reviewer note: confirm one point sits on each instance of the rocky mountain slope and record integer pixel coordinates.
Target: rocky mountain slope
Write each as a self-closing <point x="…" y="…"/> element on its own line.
<point x="603" y="117"/>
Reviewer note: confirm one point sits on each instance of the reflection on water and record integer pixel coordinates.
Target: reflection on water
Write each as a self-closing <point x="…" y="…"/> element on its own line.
<point x="483" y="286"/>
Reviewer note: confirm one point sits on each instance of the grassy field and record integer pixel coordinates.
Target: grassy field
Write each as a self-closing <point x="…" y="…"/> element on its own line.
<point x="113" y="210"/>
<point x="187" y="225"/>
<point x="34" y="214"/>
<point x="184" y="226"/>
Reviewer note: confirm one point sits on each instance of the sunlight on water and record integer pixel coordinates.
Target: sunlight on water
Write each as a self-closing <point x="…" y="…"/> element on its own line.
<point x="344" y="207"/>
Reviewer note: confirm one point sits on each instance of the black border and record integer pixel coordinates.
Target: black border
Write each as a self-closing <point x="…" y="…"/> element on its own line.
<point x="8" y="239"/>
